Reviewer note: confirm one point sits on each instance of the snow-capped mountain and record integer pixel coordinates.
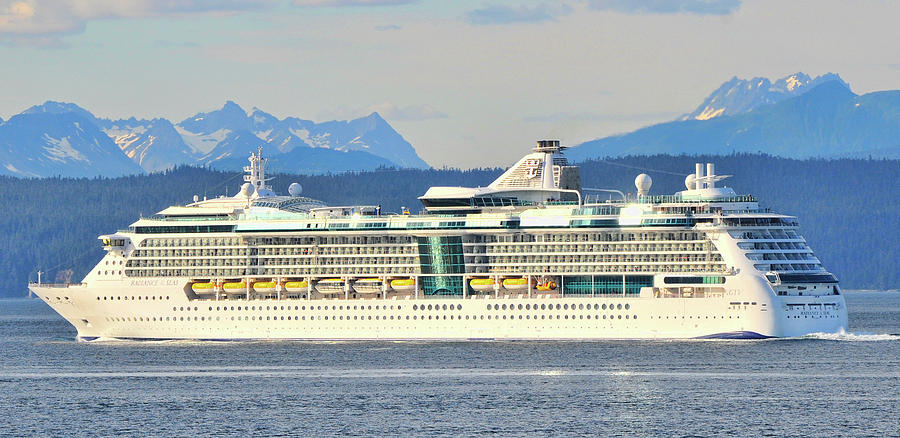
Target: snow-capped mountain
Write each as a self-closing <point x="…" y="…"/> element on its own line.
<point x="155" y="145"/>
<point x="738" y="96"/>
<point x="228" y="132"/>
<point x="43" y="142"/>
<point x="827" y="121"/>
<point x="222" y="138"/>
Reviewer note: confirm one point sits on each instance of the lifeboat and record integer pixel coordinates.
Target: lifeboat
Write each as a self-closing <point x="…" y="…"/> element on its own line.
<point x="295" y="286"/>
<point x="203" y="288"/>
<point x="330" y="286"/>
<point x="546" y="286"/>
<point x="368" y="285"/>
<point x="482" y="284"/>
<point x="264" y="286"/>
<point x="403" y="284"/>
<point x="234" y="287"/>
<point x="516" y="284"/>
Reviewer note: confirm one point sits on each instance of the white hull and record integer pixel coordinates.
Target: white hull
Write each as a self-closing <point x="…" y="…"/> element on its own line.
<point x="161" y="313"/>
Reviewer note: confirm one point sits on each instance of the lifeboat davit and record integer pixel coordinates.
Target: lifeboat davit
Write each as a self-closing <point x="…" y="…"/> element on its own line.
<point x="330" y="286"/>
<point x="234" y="287"/>
<point x="483" y="284"/>
<point x="516" y="284"/>
<point x="368" y="285"/>
<point x="296" y="286"/>
<point x="403" y="284"/>
<point x="203" y="288"/>
<point x="264" y="286"/>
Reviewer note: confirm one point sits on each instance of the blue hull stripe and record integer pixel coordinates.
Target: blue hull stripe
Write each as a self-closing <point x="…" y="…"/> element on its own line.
<point x="735" y="335"/>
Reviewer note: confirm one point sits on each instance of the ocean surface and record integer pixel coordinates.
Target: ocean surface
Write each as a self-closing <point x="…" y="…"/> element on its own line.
<point x="820" y="385"/>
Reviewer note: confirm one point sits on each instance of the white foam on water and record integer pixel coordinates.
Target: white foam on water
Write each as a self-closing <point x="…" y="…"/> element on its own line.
<point x="852" y="337"/>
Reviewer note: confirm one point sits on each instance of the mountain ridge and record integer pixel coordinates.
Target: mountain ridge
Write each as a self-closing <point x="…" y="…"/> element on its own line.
<point x="204" y="139"/>
<point x="827" y="121"/>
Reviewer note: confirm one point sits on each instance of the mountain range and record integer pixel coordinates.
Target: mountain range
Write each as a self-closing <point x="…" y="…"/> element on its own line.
<point x="795" y="117"/>
<point x="63" y="139"/>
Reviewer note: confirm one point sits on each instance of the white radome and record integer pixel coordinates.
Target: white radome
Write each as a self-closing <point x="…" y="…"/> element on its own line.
<point x="643" y="183"/>
<point x="690" y="181"/>
<point x="295" y="189"/>
<point x="247" y="190"/>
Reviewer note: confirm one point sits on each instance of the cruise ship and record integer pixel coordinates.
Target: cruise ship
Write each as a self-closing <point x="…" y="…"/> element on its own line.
<point x="534" y="255"/>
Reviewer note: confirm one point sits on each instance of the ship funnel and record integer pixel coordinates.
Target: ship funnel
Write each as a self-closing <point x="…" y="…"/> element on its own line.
<point x="698" y="174"/>
<point x="710" y="173"/>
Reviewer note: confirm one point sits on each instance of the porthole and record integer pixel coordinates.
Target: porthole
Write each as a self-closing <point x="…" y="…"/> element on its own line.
<point x="543" y="307"/>
<point x="558" y="306"/>
<point x="415" y="307"/>
<point x="504" y="307"/>
<point x="604" y="306"/>
<point x="627" y="306"/>
<point x="429" y="307"/>
<point x="596" y="306"/>
<point x="581" y="307"/>
<point x="620" y="316"/>
<point x="528" y="307"/>
<point x="619" y="306"/>
<point x="520" y="306"/>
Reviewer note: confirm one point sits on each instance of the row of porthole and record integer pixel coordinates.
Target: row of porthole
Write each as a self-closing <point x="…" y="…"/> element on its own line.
<point x="691" y="317"/>
<point x="153" y="298"/>
<point x="437" y="307"/>
<point x="558" y="307"/>
<point x="246" y="308"/>
<point x="355" y="317"/>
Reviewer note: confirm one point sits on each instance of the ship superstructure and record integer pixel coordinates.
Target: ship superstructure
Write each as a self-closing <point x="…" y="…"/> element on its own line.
<point x="532" y="256"/>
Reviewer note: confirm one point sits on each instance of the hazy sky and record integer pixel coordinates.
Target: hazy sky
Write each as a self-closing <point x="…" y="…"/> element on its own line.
<point x="468" y="83"/>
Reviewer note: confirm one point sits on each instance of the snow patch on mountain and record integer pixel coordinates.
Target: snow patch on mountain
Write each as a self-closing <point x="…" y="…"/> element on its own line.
<point x="59" y="149"/>
<point x="202" y="143"/>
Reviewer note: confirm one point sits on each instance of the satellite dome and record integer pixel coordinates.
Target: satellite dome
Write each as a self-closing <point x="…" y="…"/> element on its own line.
<point x="643" y="183"/>
<point x="690" y="181"/>
<point x="247" y="190"/>
<point x="295" y="189"/>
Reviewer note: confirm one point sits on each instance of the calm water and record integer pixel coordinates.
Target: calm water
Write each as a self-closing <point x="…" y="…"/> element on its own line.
<point x="834" y="385"/>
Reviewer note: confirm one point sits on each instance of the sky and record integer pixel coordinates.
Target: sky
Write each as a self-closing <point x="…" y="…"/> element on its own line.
<point x="468" y="83"/>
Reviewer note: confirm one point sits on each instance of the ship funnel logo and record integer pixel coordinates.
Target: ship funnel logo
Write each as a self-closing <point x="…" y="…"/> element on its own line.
<point x="532" y="168"/>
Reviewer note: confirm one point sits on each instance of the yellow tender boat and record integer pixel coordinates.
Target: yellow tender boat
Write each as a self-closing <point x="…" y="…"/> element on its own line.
<point x="202" y="288"/>
<point x="403" y="284"/>
<point x="296" y="286"/>
<point x="264" y="286"/>
<point x="483" y="284"/>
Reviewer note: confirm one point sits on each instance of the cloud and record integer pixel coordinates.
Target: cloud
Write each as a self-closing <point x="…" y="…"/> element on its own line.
<point x="44" y="22"/>
<point x="502" y="14"/>
<point x="386" y="27"/>
<point x="388" y="110"/>
<point x="341" y="3"/>
<point x="696" y="7"/>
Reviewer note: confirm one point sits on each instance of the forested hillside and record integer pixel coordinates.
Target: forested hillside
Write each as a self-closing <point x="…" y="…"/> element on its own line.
<point x="848" y="212"/>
